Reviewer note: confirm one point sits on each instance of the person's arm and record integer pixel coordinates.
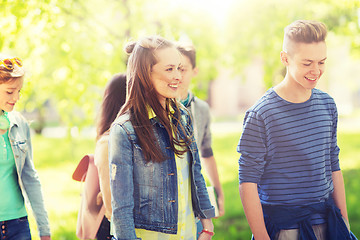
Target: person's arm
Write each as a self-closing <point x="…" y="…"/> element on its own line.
<point x="210" y="167"/>
<point x="208" y="226"/>
<point x="337" y="177"/>
<point x="253" y="210"/>
<point x="121" y="183"/>
<point x="339" y="193"/>
<point x="102" y="163"/>
<point x="207" y="157"/>
<point x="253" y="149"/>
<point x="32" y="186"/>
<point x="45" y="238"/>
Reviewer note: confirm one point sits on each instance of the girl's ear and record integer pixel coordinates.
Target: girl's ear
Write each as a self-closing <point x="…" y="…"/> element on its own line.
<point x="196" y="71"/>
<point x="284" y="58"/>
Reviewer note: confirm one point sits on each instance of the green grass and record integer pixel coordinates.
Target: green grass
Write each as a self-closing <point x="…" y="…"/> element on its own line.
<point x="56" y="159"/>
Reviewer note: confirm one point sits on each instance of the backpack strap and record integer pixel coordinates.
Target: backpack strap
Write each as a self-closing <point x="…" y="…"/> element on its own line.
<point x="81" y="169"/>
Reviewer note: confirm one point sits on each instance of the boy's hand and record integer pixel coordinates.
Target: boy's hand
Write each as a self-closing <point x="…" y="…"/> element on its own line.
<point x="221" y="204"/>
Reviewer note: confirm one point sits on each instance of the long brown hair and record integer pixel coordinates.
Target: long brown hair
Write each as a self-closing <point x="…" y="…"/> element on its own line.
<point x="113" y="99"/>
<point x="142" y="94"/>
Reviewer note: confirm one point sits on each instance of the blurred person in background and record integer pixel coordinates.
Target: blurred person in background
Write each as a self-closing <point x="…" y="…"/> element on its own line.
<point x="113" y="100"/>
<point x="200" y="114"/>
<point x="17" y="173"/>
<point x="155" y="174"/>
<point x="95" y="211"/>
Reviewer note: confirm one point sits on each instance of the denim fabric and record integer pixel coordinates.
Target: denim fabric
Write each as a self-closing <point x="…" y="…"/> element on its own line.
<point x="16" y="229"/>
<point x="283" y="217"/>
<point x="19" y="136"/>
<point x="145" y="194"/>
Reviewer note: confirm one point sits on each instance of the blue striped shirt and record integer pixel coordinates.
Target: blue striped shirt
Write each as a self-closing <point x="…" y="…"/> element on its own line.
<point x="290" y="149"/>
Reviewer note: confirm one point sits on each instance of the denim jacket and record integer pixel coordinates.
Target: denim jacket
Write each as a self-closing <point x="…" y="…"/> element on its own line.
<point x="19" y="136"/>
<point x="145" y="194"/>
<point x="284" y="217"/>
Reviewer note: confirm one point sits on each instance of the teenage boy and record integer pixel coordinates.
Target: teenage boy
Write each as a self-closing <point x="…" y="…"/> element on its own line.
<point x="200" y="113"/>
<point x="291" y="185"/>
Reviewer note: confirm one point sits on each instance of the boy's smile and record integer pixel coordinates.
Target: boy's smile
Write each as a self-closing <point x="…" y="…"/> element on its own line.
<point x="311" y="79"/>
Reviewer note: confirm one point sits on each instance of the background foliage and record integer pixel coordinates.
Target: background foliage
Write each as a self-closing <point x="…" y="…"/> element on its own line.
<point x="72" y="47"/>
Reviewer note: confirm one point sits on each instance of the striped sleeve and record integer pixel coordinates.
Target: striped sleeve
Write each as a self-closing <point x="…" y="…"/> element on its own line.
<point x="252" y="146"/>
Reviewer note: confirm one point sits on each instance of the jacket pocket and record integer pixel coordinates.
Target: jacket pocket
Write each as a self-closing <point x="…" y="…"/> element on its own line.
<point x="20" y="145"/>
<point x="145" y="207"/>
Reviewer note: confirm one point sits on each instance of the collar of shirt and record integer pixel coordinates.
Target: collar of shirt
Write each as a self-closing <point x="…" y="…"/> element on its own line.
<point x="152" y="114"/>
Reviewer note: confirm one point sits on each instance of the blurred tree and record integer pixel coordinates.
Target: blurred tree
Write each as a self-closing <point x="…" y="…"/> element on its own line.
<point x="255" y="29"/>
<point x="71" y="48"/>
<point x="188" y="24"/>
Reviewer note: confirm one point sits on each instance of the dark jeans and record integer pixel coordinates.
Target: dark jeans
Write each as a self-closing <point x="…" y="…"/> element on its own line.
<point x="16" y="229"/>
<point x="104" y="230"/>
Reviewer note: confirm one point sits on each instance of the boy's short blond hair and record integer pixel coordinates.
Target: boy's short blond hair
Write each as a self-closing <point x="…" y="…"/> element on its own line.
<point x="304" y="31"/>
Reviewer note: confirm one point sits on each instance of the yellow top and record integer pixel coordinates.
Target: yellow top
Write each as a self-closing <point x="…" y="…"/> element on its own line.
<point x="186" y="219"/>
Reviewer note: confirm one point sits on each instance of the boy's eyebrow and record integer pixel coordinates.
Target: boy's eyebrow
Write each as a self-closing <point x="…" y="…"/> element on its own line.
<point x="309" y="60"/>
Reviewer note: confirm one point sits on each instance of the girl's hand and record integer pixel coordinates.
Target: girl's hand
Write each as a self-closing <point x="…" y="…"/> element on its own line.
<point x="208" y="229"/>
<point x="99" y="199"/>
<point x="45" y="238"/>
<point x="204" y="236"/>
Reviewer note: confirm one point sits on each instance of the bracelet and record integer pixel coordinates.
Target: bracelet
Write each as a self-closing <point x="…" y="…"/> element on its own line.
<point x="207" y="231"/>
